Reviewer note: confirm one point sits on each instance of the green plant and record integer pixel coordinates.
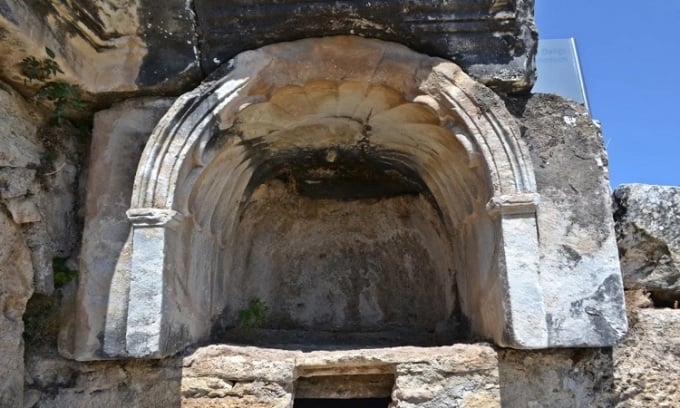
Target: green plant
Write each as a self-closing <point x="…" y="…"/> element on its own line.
<point x="62" y="273"/>
<point x="254" y="315"/>
<point x="60" y="94"/>
<point x="41" y="320"/>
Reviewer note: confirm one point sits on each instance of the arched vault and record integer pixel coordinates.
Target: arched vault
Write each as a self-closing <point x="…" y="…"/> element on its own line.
<point x="315" y="103"/>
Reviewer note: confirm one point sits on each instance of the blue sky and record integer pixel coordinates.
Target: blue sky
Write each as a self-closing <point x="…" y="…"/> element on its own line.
<point x="630" y="57"/>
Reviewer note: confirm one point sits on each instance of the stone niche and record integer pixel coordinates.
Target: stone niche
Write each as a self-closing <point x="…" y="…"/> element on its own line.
<point x="366" y="194"/>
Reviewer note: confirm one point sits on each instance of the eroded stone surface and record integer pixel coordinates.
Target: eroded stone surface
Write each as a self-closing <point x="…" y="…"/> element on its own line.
<point x="580" y="272"/>
<point x="233" y="376"/>
<point x="54" y="382"/>
<point x="648" y="234"/>
<point x="647" y="362"/>
<point x="37" y="196"/>
<point x="122" y="46"/>
<point x="556" y="378"/>
<point x="370" y="264"/>
<point x="497" y="49"/>
<point x="16" y="287"/>
<point x="104" y="47"/>
<point x="38" y="166"/>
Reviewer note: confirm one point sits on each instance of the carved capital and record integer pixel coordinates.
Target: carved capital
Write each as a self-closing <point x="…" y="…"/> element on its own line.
<point x="524" y="203"/>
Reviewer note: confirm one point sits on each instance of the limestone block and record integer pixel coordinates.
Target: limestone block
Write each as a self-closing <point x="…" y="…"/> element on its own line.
<point x="119" y="135"/>
<point x="648" y="234"/>
<point x="556" y="378"/>
<point x="580" y="272"/>
<point x="16" y="287"/>
<point x="240" y="364"/>
<point x="422" y="385"/>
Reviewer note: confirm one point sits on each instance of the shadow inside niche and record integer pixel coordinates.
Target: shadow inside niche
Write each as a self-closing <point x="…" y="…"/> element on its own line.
<point x="556" y="377"/>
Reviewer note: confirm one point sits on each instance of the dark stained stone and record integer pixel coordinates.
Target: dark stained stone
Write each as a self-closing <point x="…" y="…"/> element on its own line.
<point x="493" y="41"/>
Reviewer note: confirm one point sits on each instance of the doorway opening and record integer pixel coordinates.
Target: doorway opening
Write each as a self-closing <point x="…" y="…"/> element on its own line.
<point x="357" y="390"/>
<point x="341" y="403"/>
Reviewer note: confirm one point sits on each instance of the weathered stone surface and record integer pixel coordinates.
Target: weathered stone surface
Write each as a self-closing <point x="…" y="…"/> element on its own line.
<point x="104" y="47"/>
<point x="54" y="382"/>
<point x="16" y="287"/>
<point x="647" y="362"/>
<point x="648" y="235"/>
<point x="119" y="135"/>
<point x="455" y="376"/>
<point x="23" y="210"/>
<point x="493" y="41"/>
<point x="233" y="376"/>
<point x="122" y="46"/>
<point x="393" y="244"/>
<point x="38" y="183"/>
<point x="580" y="273"/>
<point x="556" y="378"/>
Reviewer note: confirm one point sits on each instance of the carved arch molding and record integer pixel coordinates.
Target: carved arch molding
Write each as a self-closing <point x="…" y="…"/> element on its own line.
<point x="326" y="102"/>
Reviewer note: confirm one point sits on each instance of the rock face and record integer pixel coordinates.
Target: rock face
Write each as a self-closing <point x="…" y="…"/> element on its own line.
<point x="556" y="378"/>
<point x="104" y="47"/>
<point x="647" y="362"/>
<point x="37" y="222"/>
<point x="16" y="286"/>
<point x="123" y="46"/>
<point x="648" y="233"/>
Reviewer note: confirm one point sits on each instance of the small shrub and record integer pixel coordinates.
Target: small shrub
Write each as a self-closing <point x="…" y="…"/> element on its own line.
<point x="254" y="315"/>
<point x="62" y="273"/>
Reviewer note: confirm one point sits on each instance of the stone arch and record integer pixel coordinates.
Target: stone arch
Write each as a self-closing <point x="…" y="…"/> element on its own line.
<point x="448" y="135"/>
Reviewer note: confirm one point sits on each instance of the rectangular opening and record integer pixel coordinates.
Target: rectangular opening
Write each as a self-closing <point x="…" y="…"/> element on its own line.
<point x="347" y="390"/>
<point x="341" y="403"/>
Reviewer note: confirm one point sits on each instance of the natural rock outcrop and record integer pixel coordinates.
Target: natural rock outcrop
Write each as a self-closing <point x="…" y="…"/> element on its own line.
<point x="648" y="233"/>
<point x="16" y="286"/>
<point x="38" y="177"/>
<point x="115" y="46"/>
<point x="128" y="46"/>
<point x="37" y="222"/>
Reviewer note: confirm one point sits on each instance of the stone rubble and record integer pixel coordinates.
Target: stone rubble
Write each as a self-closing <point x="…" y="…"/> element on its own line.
<point x="648" y="234"/>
